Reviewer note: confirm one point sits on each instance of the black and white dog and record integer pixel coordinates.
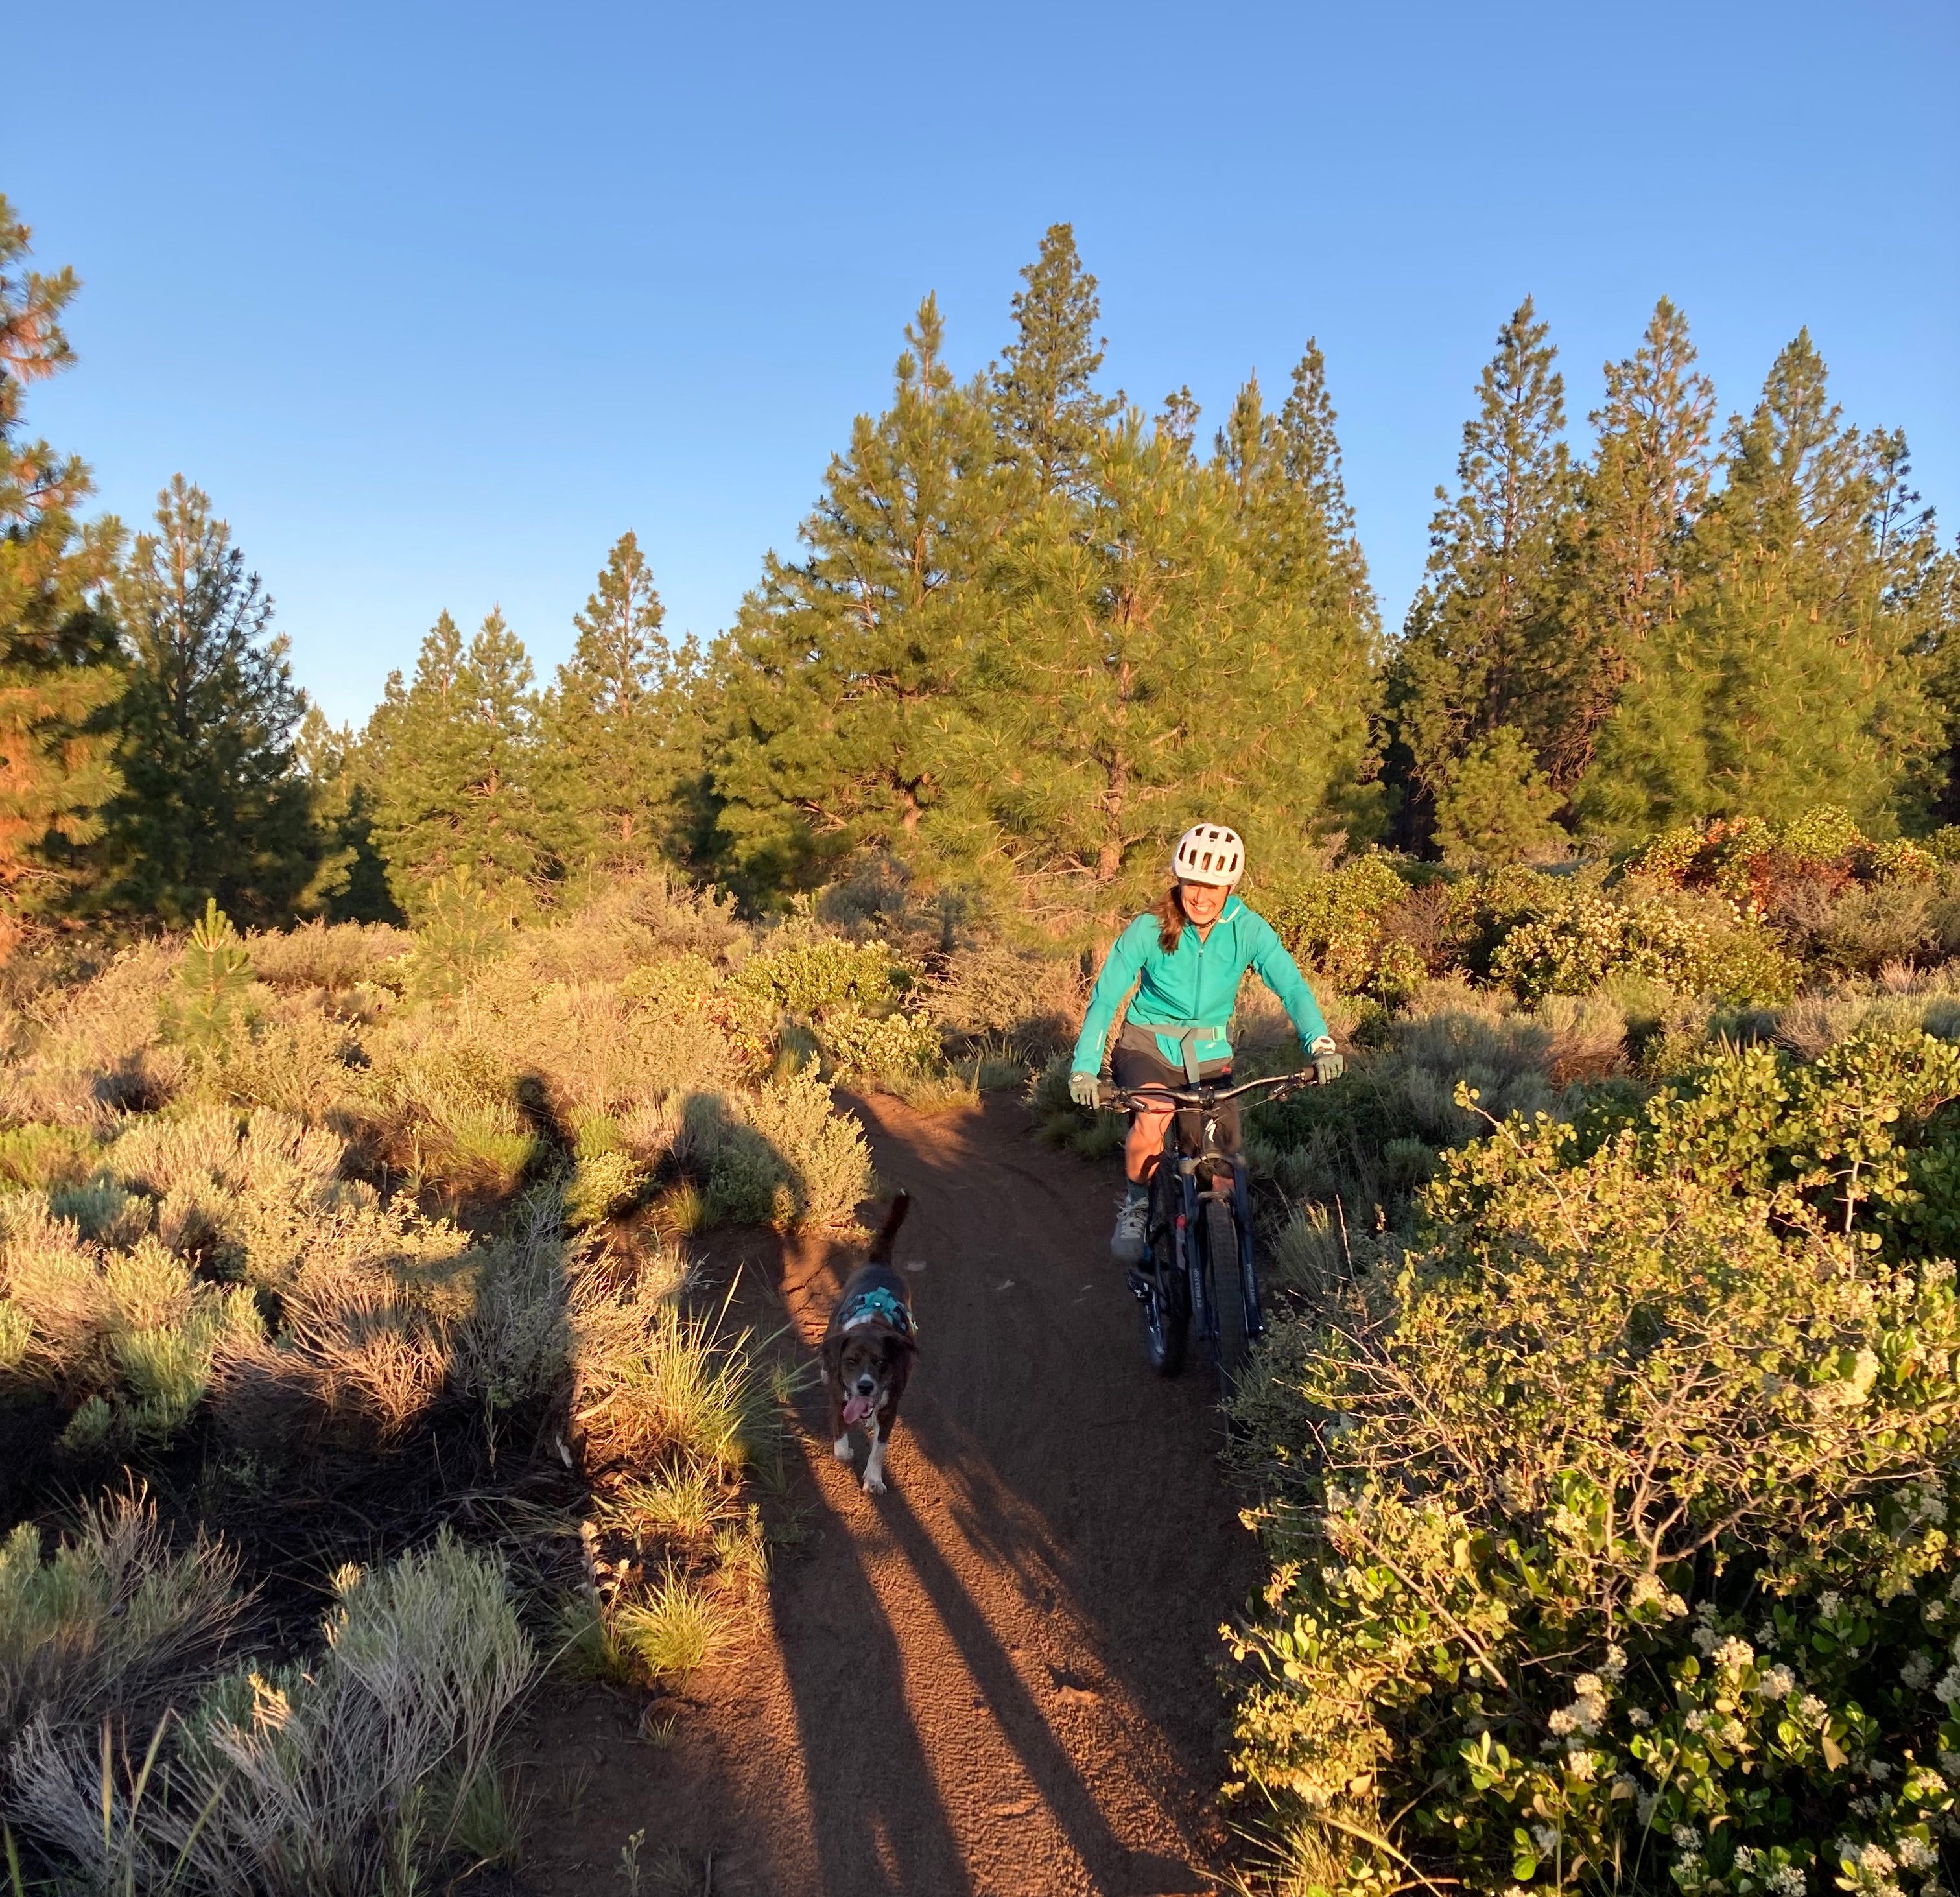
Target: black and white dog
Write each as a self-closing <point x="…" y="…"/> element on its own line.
<point x="868" y="1348"/>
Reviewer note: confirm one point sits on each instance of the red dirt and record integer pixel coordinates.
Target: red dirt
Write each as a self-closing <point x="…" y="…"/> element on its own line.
<point x="996" y="1680"/>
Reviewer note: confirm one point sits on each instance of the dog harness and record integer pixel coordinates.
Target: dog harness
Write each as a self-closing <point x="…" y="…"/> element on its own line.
<point x="876" y="1303"/>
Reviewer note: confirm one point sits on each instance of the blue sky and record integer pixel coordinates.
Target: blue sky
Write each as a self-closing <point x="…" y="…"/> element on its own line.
<point x="435" y="300"/>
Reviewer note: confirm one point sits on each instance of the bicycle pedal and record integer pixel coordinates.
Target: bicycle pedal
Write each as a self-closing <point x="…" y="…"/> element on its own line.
<point x="1139" y="1285"/>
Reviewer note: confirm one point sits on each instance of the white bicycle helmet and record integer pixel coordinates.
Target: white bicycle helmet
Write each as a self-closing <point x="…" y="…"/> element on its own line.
<point x="1209" y="853"/>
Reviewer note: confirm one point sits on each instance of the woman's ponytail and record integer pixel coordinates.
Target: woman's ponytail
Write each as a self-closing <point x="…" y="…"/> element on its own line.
<point x="1168" y="909"/>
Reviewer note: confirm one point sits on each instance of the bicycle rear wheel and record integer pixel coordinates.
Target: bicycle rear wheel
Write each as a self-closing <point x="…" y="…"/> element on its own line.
<point x="1166" y="1313"/>
<point x="1229" y="1344"/>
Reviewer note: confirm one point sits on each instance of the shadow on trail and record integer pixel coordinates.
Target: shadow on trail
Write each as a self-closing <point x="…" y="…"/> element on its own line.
<point x="885" y="1831"/>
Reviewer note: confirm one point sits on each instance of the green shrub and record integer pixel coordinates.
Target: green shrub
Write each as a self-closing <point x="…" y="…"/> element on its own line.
<point x="1611" y="1530"/>
<point x="1338" y="922"/>
<point x="44" y="1156"/>
<point x="823" y="1152"/>
<point x="802" y="972"/>
<point x="671" y="1633"/>
<point x="354" y="1773"/>
<point x="889" y="1051"/>
<point x="461" y="928"/>
<point x="115" y="1624"/>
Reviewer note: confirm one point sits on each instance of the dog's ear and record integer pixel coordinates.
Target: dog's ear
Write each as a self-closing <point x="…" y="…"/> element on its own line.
<point x="899" y="1346"/>
<point x="832" y="1353"/>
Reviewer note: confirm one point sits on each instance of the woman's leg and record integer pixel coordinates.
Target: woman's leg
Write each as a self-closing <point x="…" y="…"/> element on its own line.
<point x="1144" y="1146"/>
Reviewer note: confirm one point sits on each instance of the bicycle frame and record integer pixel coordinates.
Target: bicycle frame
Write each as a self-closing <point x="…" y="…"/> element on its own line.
<point x="1196" y="1266"/>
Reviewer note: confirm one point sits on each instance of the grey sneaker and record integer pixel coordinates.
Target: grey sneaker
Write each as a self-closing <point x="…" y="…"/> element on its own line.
<point x="1127" y="1243"/>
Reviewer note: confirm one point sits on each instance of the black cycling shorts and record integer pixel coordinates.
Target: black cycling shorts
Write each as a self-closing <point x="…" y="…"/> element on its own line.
<point x="1133" y="1065"/>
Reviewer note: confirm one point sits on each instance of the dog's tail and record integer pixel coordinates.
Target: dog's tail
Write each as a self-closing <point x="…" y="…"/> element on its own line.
<point x="881" y="1246"/>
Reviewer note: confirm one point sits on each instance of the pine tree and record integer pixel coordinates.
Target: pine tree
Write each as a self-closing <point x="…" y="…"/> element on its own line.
<point x="1641" y="496"/>
<point x="1045" y="405"/>
<point x="1483" y="630"/>
<point x="330" y="760"/>
<point x="458" y="783"/>
<point x="829" y="693"/>
<point x="1154" y="667"/>
<point x="57" y="656"/>
<point x="616" y="725"/>
<point x="1792" y="676"/>
<point x="212" y="804"/>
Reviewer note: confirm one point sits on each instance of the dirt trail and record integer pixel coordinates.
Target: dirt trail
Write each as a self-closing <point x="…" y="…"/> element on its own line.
<point x="996" y="1680"/>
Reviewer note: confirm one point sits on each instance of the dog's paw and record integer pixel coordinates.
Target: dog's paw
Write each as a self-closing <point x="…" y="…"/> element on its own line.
<point x="841" y="1449"/>
<point x="874" y="1483"/>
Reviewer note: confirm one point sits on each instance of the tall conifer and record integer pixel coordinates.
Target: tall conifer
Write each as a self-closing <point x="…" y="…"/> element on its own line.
<point x="1484" y="624"/>
<point x="212" y="803"/>
<point x="1791" y="678"/>
<point x="1645" y="489"/>
<point x="616" y="722"/>
<point x="455" y="763"/>
<point x="1045" y="405"/>
<point x="832" y="684"/>
<point x="58" y="655"/>
<point x="1158" y="665"/>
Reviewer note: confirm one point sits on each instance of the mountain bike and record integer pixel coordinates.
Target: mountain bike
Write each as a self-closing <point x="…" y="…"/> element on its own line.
<point x="1200" y="1230"/>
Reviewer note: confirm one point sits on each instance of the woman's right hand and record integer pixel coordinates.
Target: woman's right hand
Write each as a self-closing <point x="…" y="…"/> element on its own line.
<point x="1084" y="1089"/>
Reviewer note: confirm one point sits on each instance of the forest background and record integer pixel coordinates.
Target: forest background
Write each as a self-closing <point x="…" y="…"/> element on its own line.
<point x="1030" y="632"/>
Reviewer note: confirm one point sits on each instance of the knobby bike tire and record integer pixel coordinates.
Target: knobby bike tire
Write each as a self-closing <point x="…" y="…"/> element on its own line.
<point x="1228" y="1298"/>
<point x="1167" y="1315"/>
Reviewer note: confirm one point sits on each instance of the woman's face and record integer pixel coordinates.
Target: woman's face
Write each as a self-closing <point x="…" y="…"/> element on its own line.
<point x="1201" y="901"/>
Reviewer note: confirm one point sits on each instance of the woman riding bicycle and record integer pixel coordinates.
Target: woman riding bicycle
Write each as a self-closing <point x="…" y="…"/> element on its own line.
<point x="1178" y="967"/>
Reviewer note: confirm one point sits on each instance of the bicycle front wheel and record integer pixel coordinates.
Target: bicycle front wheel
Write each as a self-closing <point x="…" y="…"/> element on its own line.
<point x="1166" y="1311"/>
<point x="1229" y="1342"/>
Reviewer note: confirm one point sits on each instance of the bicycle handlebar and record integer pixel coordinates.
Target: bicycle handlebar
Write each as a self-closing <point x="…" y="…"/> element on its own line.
<point x="1155" y="1094"/>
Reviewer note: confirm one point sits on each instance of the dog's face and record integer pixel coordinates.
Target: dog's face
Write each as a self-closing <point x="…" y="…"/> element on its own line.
<point x="869" y="1363"/>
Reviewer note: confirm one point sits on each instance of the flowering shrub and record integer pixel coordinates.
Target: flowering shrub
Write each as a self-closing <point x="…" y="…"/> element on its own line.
<point x="1580" y="934"/>
<point x="1612" y="1525"/>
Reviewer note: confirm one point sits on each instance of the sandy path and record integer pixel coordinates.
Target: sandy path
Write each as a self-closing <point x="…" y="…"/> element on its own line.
<point x="996" y="1680"/>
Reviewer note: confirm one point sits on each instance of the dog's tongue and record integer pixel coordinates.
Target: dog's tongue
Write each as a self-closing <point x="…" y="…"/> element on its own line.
<point x="856" y="1411"/>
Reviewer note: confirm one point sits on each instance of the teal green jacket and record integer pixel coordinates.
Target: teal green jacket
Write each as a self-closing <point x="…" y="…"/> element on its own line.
<point x="1197" y="984"/>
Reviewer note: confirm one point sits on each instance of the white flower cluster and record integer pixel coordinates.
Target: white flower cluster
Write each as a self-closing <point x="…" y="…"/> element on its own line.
<point x="1870" y="1868"/>
<point x="1915" y="1853"/>
<point x="1916" y="1671"/>
<point x="1649" y="1592"/>
<point x="1776" y="1682"/>
<point x="1784" y="1880"/>
<point x="1733" y="1655"/>
<point x="1587" y="1710"/>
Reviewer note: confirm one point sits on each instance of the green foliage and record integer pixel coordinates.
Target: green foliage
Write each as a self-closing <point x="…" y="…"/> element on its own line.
<point x="464" y="927"/>
<point x="805" y="974"/>
<point x="1578" y="935"/>
<point x="1496" y="806"/>
<point x="1336" y="922"/>
<point x="460" y="784"/>
<point x="1788" y="677"/>
<point x="1612" y="1524"/>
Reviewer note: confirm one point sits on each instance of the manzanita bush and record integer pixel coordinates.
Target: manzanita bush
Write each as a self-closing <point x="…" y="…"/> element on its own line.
<point x="1612" y="1520"/>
